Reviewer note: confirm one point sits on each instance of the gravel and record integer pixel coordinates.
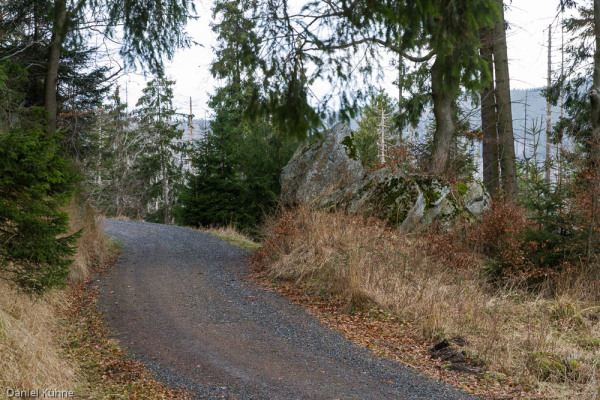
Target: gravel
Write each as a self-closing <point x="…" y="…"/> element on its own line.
<point x="182" y="302"/>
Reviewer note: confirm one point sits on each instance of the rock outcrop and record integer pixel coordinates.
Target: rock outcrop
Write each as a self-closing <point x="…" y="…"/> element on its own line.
<point x="326" y="174"/>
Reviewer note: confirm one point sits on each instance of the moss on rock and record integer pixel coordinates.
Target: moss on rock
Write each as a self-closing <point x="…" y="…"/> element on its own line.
<point x="327" y="175"/>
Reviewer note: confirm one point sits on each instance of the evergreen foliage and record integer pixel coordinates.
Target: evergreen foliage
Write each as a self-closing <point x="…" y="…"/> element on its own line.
<point x="140" y="156"/>
<point x="236" y="167"/>
<point x="161" y="163"/>
<point x="35" y="183"/>
<point x="110" y="168"/>
<point x="368" y="135"/>
<point x="461" y="163"/>
<point x="341" y="40"/>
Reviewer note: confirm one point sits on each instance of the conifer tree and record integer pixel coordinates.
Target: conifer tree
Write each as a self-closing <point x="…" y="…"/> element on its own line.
<point x="236" y="166"/>
<point x="160" y="162"/>
<point x="377" y="116"/>
<point x="327" y="40"/>
<point x="150" y="30"/>
<point x="35" y="183"/>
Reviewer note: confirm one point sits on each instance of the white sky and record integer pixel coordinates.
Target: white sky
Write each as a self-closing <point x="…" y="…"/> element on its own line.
<point x="527" y="51"/>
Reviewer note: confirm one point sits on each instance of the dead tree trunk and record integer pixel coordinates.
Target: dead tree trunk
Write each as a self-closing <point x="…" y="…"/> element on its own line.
<point x="594" y="165"/>
<point x="547" y="163"/>
<point x="595" y="91"/>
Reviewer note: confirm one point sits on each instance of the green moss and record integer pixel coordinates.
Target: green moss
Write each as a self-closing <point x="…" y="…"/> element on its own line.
<point x="431" y="189"/>
<point x="393" y="199"/>
<point x="589" y="343"/>
<point x="549" y="366"/>
<point x="462" y="188"/>
<point x="432" y="195"/>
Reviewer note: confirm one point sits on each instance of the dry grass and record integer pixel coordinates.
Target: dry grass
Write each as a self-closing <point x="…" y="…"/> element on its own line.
<point x="548" y="342"/>
<point x="232" y="235"/>
<point x="31" y="357"/>
<point x="30" y="328"/>
<point x="92" y="244"/>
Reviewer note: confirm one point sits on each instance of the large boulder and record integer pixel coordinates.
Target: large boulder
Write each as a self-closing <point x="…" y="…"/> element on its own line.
<point x="320" y="165"/>
<point x="326" y="174"/>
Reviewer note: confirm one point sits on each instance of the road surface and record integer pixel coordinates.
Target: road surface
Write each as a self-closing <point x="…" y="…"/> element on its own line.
<point x="181" y="301"/>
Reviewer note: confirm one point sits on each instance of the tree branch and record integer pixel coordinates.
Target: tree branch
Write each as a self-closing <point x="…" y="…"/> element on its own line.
<point x="395" y="48"/>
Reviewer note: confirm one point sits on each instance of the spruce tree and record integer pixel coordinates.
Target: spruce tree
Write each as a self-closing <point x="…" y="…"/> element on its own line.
<point x="379" y="114"/>
<point x="236" y="166"/>
<point x="35" y="183"/>
<point x="325" y="40"/>
<point x="161" y="161"/>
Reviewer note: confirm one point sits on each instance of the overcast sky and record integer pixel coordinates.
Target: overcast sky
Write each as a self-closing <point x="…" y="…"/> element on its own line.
<point x="527" y="50"/>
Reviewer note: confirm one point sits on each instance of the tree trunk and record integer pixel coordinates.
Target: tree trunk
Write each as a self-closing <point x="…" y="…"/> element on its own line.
<point x="443" y="95"/>
<point x="489" y="127"/>
<point x="594" y="168"/>
<point x="54" y="52"/>
<point x="400" y="95"/>
<point x="595" y="91"/>
<point x="547" y="158"/>
<point x="505" y="124"/>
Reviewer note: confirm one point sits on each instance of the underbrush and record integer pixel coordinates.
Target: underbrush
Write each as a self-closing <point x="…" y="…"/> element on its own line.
<point x="547" y="339"/>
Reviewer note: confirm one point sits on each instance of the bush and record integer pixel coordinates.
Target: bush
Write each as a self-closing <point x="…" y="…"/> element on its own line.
<point x="521" y="244"/>
<point x="35" y="182"/>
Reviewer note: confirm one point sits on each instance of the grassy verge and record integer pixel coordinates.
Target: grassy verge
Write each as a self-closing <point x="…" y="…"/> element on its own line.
<point x="231" y="235"/>
<point x="396" y="295"/>
<point x="31" y="356"/>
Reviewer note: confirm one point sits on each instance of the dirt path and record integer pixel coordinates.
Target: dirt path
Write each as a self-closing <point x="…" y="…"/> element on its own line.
<point x="181" y="301"/>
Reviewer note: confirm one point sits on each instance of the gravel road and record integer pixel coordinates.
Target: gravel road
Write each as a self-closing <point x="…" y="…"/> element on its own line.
<point x="181" y="301"/>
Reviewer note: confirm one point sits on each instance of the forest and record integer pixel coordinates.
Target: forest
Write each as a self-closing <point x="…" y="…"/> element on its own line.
<point x="521" y="281"/>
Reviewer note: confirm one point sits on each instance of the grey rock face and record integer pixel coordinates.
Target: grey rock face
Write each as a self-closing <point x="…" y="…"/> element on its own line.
<point x="319" y="166"/>
<point x="327" y="175"/>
